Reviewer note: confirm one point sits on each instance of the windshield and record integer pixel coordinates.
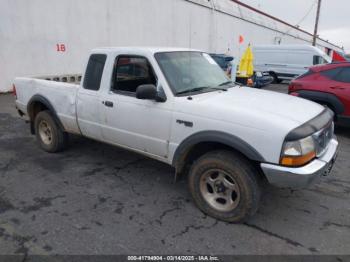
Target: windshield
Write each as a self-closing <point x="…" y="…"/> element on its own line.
<point x="328" y="59"/>
<point x="191" y="71"/>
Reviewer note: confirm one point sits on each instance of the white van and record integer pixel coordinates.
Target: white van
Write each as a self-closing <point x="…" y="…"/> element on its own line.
<point x="285" y="62"/>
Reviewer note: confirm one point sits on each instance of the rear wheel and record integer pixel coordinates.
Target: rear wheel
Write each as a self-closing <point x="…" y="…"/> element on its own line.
<point x="49" y="136"/>
<point x="276" y="80"/>
<point x="225" y="186"/>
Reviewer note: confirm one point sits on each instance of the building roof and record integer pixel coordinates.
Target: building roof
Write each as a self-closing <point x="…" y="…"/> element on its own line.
<point x="278" y="20"/>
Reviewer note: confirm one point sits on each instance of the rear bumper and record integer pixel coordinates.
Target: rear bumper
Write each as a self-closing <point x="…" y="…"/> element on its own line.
<point x="263" y="81"/>
<point x="301" y="177"/>
<point x="21" y="110"/>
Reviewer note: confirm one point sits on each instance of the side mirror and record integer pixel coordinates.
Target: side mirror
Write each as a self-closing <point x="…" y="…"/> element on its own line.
<point x="229" y="58"/>
<point x="150" y="92"/>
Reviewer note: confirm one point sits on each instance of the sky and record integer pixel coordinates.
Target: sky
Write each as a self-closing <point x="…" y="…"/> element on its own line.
<point x="334" y="20"/>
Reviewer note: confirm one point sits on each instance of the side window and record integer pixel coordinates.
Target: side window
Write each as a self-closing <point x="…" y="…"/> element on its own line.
<point x="219" y="60"/>
<point x="331" y="73"/>
<point x="131" y="72"/>
<point x="319" y="60"/>
<point x="344" y="75"/>
<point x="94" y="71"/>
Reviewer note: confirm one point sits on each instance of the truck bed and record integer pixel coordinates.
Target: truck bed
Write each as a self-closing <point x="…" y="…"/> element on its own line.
<point x="62" y="97"/>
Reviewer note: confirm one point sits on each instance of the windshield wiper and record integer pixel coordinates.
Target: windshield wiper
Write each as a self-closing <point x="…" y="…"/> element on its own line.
<point x="230" y="82"/>
<point x="201" y="88"/>
<point x="219" y="88"/>
<point x="226" y="83"/>
<point x="196" y="89"/>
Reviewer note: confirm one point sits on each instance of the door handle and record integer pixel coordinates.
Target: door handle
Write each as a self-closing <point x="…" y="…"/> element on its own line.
<point x="337" y="87"/>
<point x="108" y="103"/>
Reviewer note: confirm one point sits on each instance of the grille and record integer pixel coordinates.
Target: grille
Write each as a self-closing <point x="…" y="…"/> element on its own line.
<point x="323" y="137"/>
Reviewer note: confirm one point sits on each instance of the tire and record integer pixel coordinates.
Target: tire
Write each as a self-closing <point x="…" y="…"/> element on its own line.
<point x="242" y="195"/>
<point x="276" y="80"/>
<point x="48" y="134"/>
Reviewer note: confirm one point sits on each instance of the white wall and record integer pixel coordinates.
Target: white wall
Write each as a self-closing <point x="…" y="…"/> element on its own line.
<point x="30" y="30"/>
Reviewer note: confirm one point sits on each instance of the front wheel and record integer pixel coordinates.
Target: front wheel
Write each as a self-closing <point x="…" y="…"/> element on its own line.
<point x="49" y="136"/>
<point x="225" y="186"/>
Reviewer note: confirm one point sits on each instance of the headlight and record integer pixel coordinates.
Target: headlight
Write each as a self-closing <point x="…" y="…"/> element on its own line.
<point x="299" y="152"/>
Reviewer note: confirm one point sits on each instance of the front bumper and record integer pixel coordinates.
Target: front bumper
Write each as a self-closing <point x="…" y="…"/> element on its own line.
<point x="300" y="177"/>
<point x="22" y="114"/>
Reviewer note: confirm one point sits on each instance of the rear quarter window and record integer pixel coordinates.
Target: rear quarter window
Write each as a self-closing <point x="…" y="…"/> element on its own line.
<point x="343" y="75"/>
<point x="94" y="71"/>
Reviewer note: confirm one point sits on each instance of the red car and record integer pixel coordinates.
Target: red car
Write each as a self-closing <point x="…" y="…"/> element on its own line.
<point x="328" y="85"/>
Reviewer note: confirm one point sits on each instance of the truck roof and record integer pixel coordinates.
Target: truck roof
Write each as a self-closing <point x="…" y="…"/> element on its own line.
<point x="290" y="48"/>
<point x="152" y="50"/>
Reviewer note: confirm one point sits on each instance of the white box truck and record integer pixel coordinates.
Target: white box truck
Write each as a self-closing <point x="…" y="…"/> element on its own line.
<point x="285" y="62"/>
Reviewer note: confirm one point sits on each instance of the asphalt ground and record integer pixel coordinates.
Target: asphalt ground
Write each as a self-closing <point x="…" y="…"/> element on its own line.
<point x="94" y="198"/>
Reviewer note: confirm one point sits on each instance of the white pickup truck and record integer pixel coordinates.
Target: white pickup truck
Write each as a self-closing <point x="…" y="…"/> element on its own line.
<point x="177" y="106"/>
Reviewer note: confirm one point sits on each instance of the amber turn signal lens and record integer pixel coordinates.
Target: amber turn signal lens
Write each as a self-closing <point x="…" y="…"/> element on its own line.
<point x="297" y="160"/>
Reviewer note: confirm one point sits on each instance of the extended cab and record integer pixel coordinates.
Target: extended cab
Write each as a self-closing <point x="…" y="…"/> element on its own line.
<point x="177" y="106"/>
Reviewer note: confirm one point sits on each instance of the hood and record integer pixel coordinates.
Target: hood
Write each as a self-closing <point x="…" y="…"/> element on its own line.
<point x="254" y="108"/>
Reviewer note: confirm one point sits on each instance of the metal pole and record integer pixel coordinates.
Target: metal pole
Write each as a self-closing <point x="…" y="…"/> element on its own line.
<point x="316" y="23"/>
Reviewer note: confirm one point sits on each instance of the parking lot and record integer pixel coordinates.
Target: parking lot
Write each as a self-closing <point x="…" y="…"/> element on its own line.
<point x="98" y="199"/>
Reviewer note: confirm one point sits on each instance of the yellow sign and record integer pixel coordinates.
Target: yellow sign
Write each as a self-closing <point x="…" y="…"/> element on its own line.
<point x="246" y="67"/>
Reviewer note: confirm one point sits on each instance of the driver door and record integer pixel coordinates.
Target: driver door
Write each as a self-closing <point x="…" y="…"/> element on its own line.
<point x="142" y="125"/>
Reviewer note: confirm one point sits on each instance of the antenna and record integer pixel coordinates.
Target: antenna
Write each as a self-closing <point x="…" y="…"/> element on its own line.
<point x="317" y="21"/>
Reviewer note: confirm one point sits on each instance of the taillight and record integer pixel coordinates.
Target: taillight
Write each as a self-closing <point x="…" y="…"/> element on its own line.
<point x="294" y="86"/>
<point x="250" y="82"/>
<point x="294" y="94"/>
<point x="14" y="90"/>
